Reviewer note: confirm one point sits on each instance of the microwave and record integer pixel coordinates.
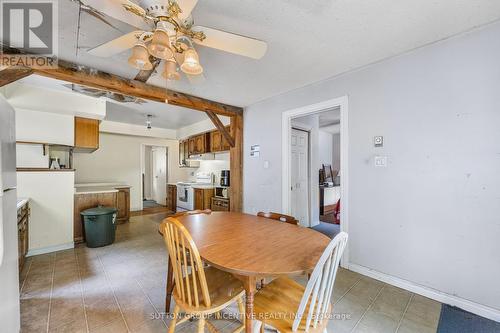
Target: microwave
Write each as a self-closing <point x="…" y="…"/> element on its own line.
<point x="222" y="192"/>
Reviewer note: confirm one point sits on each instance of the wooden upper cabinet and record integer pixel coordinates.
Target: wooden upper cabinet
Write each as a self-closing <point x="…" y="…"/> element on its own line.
<point x="86" y="134"/>
<point x="199" y="144"/>
<point x="218" y="142"/>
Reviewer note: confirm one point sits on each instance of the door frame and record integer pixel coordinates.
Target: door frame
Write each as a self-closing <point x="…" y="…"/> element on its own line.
<point x="286" y="128"/>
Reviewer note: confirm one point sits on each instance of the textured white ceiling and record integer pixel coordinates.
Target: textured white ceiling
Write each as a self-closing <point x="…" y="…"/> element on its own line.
<point x="164" y="115"/>
<point x="308" y="40"/>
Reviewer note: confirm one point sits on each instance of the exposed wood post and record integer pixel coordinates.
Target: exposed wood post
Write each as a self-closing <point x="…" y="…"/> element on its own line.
<point x="10" y="75"/>
<point x="220" y="126"/>
<point x="236" y="162"/>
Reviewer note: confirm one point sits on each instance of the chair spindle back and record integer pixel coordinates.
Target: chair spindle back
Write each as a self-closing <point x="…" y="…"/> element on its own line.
<point x="190" y="281"/>
<point x="315" y="303"/>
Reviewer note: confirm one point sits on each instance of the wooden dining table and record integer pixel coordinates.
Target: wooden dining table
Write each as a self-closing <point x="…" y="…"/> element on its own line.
<point x="251" y="248"/>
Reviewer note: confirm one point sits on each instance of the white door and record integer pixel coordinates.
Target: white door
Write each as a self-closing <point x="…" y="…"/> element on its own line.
<point x="300" y="176"/>
<point x="159" y="165"/>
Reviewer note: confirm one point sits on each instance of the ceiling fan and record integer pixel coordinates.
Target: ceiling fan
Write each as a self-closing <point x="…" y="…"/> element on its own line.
<point x="167" y="33"/>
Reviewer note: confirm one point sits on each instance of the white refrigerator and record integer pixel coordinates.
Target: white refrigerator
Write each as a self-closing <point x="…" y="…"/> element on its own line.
<point x="9" y="274"/>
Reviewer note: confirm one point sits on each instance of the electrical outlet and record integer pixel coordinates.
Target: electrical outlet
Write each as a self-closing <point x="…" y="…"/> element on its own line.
<point x="381" y="161"/>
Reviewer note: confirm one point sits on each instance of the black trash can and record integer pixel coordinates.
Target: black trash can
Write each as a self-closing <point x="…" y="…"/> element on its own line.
<point x="99" y="223"/>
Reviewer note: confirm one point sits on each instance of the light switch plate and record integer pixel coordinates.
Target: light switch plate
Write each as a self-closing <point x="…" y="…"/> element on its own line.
<point x="378" y="141"/>
<point x="381" y="161"/>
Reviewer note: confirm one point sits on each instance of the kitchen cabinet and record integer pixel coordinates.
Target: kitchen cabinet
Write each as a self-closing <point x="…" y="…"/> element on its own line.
<point x="23" y="214"/>
<point x="218" y="142"/>
<point x="86" y="135"/>
<point x="220" y="204"/>
<point x="172" y="197"/>
<point x="202" y="198"/>
<point x="86" y="201"/>
<point x="123" y="205"/>
<point x="183" y="152"/>
<point x="199" y="144"/>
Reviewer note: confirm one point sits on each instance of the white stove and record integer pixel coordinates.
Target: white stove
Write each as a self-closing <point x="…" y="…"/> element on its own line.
<point x="185" y="191"/>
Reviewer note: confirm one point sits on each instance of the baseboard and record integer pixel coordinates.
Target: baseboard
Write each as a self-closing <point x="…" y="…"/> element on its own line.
<point x="476" y="308"/>
<point x="50" y="249"/>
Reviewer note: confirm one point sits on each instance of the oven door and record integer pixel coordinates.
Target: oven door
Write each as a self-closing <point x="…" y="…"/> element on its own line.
<point x="185" y="200"/>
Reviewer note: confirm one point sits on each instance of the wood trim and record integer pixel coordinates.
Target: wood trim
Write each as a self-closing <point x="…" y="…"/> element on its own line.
<point x="10" y="75"/>
<point x="220" y="126"/>
<point x="236" y="164"/>
<point x="43" y="170"/>
<point x="110" y="82"/>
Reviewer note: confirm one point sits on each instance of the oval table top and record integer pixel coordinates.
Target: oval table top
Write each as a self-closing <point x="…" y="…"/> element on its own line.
<point x="249" y="245"/>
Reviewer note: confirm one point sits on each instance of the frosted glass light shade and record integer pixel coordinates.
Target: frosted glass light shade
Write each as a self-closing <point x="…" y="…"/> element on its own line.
<point x="191" y="64"/>
<point x="160" y="45"/>
<point x="140" y="57"/>
<point x="170" y="72"/>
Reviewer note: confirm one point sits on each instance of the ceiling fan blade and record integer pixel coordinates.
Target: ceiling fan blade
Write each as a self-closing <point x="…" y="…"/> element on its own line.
<point x="117" y="45"/>
<point x="229" y="42"/>
<point x="116" y="10"/>
<point x="187" y="7"/>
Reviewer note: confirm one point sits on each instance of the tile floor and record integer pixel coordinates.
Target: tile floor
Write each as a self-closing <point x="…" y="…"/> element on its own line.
<point x="121" y="288"/>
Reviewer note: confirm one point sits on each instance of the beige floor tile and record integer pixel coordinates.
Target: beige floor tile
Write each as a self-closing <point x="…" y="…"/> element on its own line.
<point x="64" y="311"/>
<point x="34" y="314"/>
<point x="422" y="312"/>
<point x="101" y="311"/>
<point x="151" y="326"/>
<point x="116" y="326"/>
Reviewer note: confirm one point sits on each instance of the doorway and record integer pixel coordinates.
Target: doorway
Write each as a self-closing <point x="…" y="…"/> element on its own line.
<point x="154" y="177"/>
<point x="326" y="127"/>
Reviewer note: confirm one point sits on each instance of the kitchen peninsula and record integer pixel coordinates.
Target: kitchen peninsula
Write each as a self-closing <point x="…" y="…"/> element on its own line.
<point x="90" y="195"/>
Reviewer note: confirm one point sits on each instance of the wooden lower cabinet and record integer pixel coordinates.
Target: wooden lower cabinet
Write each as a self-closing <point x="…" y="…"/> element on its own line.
<point x="23" y="215"/>
<point x="172" y="197"/>
<point x="220" y="205"/>
<point x="123" y="205"/>
<point x="202" y="198"/>
<point x="86" y="201"/>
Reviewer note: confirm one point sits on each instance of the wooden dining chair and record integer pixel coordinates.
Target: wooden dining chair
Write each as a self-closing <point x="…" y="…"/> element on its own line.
<point x="290" y="307"/>
<point x="279" y="217"/>
<point x="170" y="273"/>
<point x="199" y="291"/>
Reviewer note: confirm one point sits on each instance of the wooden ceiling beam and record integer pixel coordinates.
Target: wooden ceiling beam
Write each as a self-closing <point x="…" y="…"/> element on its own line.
<point x="9" y="75"/>
<point x="220" y="126"/>
<point x="93" y="78"/>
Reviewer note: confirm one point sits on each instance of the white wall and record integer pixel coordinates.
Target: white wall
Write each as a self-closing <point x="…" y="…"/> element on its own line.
<point x="45" y="127"/>
<point x="431" y="217"/>
<point x="336" y="151"/>
<point x="200" y="127"/>
<point x="118" y="159"/>
<point x="51" y="201"/>
<point x="28" y="97"/>
<point x="325" y="148"/>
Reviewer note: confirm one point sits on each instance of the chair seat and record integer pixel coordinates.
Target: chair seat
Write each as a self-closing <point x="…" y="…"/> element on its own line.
<point x="277" y="304"/>
<point x="223" y="289"/>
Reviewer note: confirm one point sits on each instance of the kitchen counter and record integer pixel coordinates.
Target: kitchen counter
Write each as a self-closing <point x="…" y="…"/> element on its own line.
<point x="21" y="202"/>
<point x="203" y="186"/>
<point x="95" y="188"/>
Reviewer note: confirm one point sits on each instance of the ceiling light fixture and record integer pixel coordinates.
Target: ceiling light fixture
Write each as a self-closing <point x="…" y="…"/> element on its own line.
<point x="140" y="57"/>
<point x="160" y="45"/>
<point x="170" y="72"/>
<point x="191" y="64"/>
